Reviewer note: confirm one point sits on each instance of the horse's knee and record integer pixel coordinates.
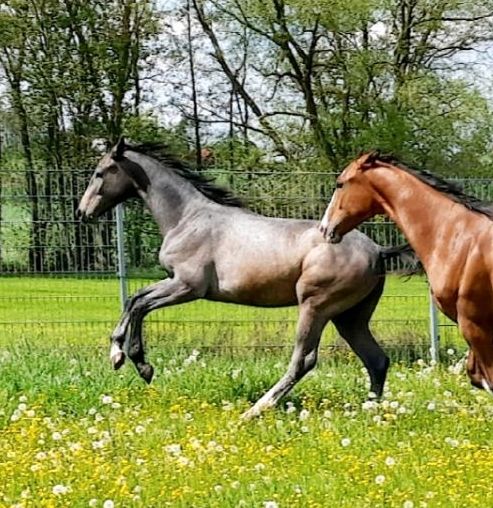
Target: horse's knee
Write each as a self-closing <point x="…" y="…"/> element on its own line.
<point x="310" y="362"/>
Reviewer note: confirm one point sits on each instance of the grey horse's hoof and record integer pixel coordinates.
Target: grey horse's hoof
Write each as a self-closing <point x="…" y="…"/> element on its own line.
<point x="146" y="372"/>
<point x="118" y="360"/>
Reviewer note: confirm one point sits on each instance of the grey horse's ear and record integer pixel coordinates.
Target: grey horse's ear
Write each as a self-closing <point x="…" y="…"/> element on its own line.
<point x="117" y="152"/>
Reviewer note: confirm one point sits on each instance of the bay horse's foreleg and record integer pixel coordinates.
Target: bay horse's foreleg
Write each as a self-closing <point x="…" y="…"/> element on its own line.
<point x="304" y="358"/>
<point x="353" y="326"/>
<point x="161" y="294"/>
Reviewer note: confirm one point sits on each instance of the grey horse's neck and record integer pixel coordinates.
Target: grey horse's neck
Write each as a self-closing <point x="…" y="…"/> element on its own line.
<point x="169" y="197"/>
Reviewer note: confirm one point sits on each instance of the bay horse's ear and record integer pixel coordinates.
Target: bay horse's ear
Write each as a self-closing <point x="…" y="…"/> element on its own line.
<point x="117" y="152"/>
<point x="367" y="159"/>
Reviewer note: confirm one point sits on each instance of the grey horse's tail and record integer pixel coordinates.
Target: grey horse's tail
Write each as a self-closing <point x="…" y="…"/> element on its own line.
<point x="407" y="257"/>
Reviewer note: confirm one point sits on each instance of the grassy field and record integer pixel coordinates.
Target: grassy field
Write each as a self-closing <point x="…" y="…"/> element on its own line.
<point x="73" y="433"/>
<point x="80" y="311"/>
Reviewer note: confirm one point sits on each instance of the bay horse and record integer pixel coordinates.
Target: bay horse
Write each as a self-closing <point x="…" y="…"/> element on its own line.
<point x="451" y="233"/>
<point x="214" y="248"/>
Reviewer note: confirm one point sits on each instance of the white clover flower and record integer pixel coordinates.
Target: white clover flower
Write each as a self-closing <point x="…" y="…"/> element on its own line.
<point x="56" y="436"/>
<point x="290" y="409"/>
<point x="98" y="445"/>
<point x="92" y="411"/>
<point x="390" y="461"/>
<point x="394" y="404"/>
<point x="108" y="504"/>
<point x="22" y="406"/>
<point x="235" y="484"/>
<point x="60" y="490"/>
<point x="327" y="413"/>
<point x="22" y="398"/>
<point x="304" y="429"/>
<point x="450" y="351"/>
<point x="345" y="442"/>
<point x="140" y="429"/>
<point x="75" y="447"/>
<point x="259" y="467"/>
<point x="407" y="504"/>
<point x="173" y="449"/>
<point x="93" y="502"/>
<point x="304" y="414"/>
<point x="106" y="399"/>
<point x="218" y="488"/>
<point x="41" y="456"/>
<point x="15" y="416"/>
<point x="452" y="442"/>
<point x="116" y="405"/>
<point x="431" y="406"/>
<point x="92" y="430"/>
<point x="270" y="504"/>
<point x="368" y="405"/>
<point x="31" y="413"/>
<point x="380" y="479"/>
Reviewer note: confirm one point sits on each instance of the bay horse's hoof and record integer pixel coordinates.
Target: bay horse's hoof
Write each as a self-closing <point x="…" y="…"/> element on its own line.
<point x="117" y="360"/>
<point x="146" y="372"/>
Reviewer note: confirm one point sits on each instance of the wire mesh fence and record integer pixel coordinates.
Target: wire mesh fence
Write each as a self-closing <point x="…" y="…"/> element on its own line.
<point x="60" y="277"/>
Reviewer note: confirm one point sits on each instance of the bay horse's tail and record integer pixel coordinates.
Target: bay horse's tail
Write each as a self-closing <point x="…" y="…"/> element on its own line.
<point x="407" y="257"/>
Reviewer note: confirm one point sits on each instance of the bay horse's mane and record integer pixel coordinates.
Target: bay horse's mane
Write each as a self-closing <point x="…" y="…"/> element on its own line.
<point x="451" y="190"/>
<point x="204" y="185"/>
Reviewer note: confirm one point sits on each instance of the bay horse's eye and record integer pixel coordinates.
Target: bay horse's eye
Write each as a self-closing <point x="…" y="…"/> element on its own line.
<point x="339" y="185"/>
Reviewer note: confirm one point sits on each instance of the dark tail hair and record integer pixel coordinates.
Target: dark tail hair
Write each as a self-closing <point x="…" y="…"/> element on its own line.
<point x="405" y="253"/>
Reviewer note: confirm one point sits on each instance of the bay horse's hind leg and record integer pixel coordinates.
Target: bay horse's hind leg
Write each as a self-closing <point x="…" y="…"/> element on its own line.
<point x="353" y="326"/>
<point x="304" y="358"/>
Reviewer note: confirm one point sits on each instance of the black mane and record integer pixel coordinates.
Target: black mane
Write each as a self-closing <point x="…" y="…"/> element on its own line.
<point x="451" y="190"/>
<point x="203" y="184"/>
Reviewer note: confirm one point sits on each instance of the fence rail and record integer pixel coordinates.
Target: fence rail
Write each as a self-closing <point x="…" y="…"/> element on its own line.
<point x="66" y="280"/>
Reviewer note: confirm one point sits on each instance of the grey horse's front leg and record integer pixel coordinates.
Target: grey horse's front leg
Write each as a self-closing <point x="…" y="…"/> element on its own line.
<point x="303" y="359"/>
<point x="161" y="294"/>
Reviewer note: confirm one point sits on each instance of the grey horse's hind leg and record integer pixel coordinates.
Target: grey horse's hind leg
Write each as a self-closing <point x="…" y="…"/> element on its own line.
<point x="161" y="294"/>
<point x="353" y="327"/>
<point x="304" y="358"/>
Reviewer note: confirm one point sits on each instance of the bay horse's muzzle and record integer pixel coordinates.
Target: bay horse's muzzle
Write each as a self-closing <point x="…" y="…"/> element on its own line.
<point x="329" y="232"/>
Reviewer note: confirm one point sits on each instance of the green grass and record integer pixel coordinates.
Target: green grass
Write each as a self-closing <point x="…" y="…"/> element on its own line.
<point x="180" y="443"/>
<point x="83" y="311"/>
<point x="73" y="433"/>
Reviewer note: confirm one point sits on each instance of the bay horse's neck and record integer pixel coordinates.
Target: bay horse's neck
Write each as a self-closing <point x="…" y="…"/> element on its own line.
<point x="422" y="213"/>
<point x="170" y="198"/>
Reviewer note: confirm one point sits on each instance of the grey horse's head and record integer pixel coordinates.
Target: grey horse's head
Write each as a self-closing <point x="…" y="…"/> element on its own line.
<point x="116" y="179"/>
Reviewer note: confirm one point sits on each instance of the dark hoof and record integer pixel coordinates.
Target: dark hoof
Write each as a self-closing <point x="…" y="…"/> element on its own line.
<point x="118" y="360"/>
<point x="146" y="372"/>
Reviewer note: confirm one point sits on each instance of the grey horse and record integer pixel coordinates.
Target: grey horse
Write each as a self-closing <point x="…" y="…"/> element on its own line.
<point x="214" y="248"/>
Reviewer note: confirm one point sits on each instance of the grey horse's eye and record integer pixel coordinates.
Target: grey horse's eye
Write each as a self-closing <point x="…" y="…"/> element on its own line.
<point x="98" y="175"/>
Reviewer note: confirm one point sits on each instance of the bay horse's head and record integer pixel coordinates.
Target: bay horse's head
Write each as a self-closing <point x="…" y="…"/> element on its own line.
<point x="115" y="179"/>
<point x="353" y="201"/>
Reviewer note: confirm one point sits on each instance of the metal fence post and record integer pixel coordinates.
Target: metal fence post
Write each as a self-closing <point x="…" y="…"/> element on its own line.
<point x="120" y="244"/>
<point x="434" y="334"/>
